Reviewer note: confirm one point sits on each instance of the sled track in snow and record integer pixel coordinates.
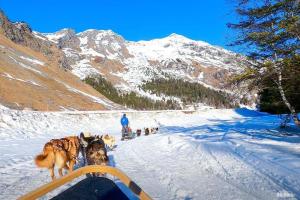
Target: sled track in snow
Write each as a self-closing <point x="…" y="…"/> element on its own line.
<point x="217" y="163"/>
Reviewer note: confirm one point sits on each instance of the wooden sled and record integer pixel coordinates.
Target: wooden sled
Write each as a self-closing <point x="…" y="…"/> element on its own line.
<point x="91" y="187"/>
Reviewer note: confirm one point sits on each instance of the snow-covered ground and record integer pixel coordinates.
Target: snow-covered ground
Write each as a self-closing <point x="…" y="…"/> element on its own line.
<point x="208" y="154"/>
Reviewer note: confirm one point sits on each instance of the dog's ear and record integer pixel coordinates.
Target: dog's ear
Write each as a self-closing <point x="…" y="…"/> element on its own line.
<point x="84" y="142"/>
<point x="81" y="135"/>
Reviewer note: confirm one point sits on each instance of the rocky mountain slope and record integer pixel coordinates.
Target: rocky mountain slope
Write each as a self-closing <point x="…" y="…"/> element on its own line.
<point x="128" y="65"/>
<point x="34" y="74"/>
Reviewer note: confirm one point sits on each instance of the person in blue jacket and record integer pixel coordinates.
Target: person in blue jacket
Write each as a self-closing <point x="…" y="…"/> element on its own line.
<point x="124" y="123"/>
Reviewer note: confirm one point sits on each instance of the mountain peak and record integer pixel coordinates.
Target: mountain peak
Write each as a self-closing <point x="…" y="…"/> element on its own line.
<point x="177" y="37"/>
<point x="54" y="37"/>
<point x="92" y="31"/>
<point x="182" y="39"/>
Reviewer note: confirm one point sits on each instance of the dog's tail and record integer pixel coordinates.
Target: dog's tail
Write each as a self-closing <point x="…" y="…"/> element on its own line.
<point x="44" y="160"/>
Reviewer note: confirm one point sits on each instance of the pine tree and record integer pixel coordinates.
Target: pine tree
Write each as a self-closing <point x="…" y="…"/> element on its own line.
<point x="270" y="29"/>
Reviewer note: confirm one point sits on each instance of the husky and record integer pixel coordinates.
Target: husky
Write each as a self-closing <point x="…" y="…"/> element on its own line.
<point x="62" y="153"/>
<point x="109" y="141"/>
<point x="96" y="153"/>
<point x="138" y="132"/>
<point x="153" y="130"/>
<point x="149" y="131"/>
<point x="85" y="139"/>
<point x="93" y="150"/>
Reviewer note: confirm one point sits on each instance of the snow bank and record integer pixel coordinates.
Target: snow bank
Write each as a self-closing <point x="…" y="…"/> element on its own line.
<point x="28" y="124"/>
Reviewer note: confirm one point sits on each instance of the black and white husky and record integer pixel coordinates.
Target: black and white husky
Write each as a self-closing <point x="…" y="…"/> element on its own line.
<point x="93" y="150"/>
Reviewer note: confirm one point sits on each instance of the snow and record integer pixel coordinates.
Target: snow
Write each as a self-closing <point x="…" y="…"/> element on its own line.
<point x="157" y="98"/>
<point x="7" y="75"/>
<point x="83" y="41"/>
<point x="90" y="52"/>
<point x="179" y="47"/>
<point x="115" y="46"/>
<point x="54" y="37"/>
<point x="26" y="66"/>
<point x="83" y="69"/>
<point x="70" y="53"/>
<point x="38" y="35"/>
<point x="206" y="154"/>
<point x="201" y="76"/>
<point x="19" y="60"/>
<point x="104" y="42"/>
<point x="108" y="104"/>
<point x="32" y="60"/>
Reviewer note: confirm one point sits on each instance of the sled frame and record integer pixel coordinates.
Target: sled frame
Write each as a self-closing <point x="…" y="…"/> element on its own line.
<point x="82" y="171"/>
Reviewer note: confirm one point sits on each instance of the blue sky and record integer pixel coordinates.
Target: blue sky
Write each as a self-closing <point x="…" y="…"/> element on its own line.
<point x="133" y="19"/>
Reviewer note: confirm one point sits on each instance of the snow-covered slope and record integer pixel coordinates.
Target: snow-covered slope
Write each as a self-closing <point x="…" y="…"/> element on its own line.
<point x="208" y="154"/>
<point x="177" y="46"/>
<point x="127" y="64"/>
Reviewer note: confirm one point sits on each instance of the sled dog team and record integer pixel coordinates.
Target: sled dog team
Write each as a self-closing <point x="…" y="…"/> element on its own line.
<point x="63" y="153"/>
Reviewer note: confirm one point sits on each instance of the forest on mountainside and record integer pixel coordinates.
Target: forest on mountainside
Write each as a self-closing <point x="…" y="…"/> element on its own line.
<point x="129" y="100"/>
<point x="189" y="93"/>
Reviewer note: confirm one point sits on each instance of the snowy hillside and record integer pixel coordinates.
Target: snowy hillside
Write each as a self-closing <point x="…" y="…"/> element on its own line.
<point x="207" y="154"/>
<point x="128" y="64"/>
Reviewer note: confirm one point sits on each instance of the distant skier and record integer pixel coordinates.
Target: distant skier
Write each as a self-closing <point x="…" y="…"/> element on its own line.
<point x="124" y="123"/>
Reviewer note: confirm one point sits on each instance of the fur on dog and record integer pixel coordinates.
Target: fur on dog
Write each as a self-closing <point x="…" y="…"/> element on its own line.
<point x="138" y="132"/>
<point x="85" y="140"/>
<point x="149" y="131"/>
<point x="93" y="150"/>
<point x="96" y="153"/>
<point x="59" y="152"/>
<point x="153" y="130"/>
<point x="109" y="140"/>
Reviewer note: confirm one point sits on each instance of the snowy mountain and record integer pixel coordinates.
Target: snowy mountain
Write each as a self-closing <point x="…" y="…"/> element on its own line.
<point x="129" y="64"/>
<point x="174" y="55"/>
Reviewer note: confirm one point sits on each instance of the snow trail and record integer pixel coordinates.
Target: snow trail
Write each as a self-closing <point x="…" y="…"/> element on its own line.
<point x="208" y="154"/>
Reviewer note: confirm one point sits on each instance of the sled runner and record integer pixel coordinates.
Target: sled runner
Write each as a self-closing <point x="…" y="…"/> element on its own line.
<point x="91" y="187"/>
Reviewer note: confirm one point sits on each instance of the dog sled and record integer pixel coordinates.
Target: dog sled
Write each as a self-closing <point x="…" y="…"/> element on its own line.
<point x="91" y="187"/>
<point x="127" y="134"/>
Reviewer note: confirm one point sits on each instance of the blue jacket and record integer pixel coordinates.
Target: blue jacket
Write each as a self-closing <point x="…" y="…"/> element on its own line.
<point x="124" y="121"/>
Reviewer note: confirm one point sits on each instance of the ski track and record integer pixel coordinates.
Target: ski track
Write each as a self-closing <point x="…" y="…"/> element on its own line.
<point x="214" y="154"/>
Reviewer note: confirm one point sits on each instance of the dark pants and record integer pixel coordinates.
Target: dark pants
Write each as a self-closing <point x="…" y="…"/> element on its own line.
<point x="124" y="131"/>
